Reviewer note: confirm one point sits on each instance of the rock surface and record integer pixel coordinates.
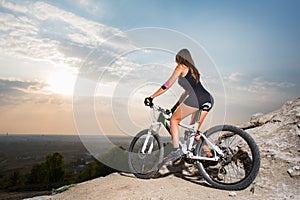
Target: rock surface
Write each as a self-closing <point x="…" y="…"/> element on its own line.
<point x="279" y="143"/>
<point x="277" y="135"/>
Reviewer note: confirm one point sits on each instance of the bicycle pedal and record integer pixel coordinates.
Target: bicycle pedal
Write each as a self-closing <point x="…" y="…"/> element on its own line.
<point x="178" y="161"/>
<point x="160" y="165"/>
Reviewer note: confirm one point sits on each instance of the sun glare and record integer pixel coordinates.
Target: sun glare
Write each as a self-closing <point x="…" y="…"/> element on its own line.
<point x="61" y="81"/>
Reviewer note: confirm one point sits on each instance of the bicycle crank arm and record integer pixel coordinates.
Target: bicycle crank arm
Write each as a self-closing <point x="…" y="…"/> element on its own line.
<point x="204" y="158"/>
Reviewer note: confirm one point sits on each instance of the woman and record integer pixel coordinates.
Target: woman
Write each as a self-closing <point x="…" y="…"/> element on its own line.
<point x="195" y="98"/>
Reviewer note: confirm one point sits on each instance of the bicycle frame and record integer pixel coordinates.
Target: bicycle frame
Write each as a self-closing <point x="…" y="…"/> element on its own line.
<point x="187" y="144"/>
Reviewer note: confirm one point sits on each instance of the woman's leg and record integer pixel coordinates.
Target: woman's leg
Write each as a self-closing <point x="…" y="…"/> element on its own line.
<point x="197" y="137"/>
<point x="203" y="114"/>
<point x="194" y="117"/>
<point x="181" y="112"/>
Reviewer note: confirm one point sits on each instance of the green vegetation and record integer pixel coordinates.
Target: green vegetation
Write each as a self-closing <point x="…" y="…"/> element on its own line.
<point x="49" y="172"/>
<point x="117" y="157"/>
<point x="12" y="180"/>
<point x="62" y="189"/>
<point x="53" y="173"/>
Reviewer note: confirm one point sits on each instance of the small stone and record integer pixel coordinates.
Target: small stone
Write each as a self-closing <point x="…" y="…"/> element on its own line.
<point x="252" y="190"/>
<point x="232" y="194"/>
<point x="256" y="115"/>
<point x="294" y="171"/>
<point x="289" y="103"/>
<point x="296" y="167"/>
<point x="276" y="118"/>
<point x="298" y="125"/>
<point x="255" y="119"/>
<point x="298" y="115"/>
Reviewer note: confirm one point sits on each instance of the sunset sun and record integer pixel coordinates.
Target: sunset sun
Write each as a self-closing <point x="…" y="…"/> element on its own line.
<point x="62" y="81"/>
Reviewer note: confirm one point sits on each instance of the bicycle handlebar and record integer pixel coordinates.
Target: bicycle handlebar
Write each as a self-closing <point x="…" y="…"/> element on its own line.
<point x="159" y="109"/>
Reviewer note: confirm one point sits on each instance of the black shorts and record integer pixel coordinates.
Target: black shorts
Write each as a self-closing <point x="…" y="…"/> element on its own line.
<point x="204" y="103"/>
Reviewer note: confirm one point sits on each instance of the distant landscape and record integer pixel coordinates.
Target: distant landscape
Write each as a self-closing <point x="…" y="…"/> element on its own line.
<point x="21" y="154"/>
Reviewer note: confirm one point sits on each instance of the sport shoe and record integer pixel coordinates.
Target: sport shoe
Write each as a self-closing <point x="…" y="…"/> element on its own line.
<point x="173" y="155"/>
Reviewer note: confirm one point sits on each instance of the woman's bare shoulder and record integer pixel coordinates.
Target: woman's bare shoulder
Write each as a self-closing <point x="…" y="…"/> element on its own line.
<point x="182" y="69"/>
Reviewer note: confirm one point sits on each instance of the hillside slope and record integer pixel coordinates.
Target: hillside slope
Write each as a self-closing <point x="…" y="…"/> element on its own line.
<point x="278" y="137"/>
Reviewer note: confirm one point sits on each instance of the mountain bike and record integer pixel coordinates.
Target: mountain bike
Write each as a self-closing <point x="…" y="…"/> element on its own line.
<point x="234" y="165"/>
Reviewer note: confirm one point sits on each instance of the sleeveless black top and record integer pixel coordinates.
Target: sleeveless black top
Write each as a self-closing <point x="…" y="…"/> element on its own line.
<point x="198" y="95"/>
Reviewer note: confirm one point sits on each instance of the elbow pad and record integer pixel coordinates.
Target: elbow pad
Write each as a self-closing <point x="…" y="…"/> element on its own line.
<point x="164" y="86"/>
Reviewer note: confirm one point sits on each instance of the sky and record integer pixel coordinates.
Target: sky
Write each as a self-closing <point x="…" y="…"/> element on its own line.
<point x="85" y="66"/>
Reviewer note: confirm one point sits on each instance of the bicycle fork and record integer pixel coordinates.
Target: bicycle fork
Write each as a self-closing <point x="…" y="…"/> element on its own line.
<point x="155" y="126"/>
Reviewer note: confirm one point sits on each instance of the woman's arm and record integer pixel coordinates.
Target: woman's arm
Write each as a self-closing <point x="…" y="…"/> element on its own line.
<point x="177" y="72"/>
<point x="181" y="99"/>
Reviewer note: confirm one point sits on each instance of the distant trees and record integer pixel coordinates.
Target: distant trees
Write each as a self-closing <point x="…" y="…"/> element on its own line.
<point x="55" y="168"/>
<point x="50" y="171"/>
<point x="93" y="170"/>
<point x="117" y="157"/>
<point x="12" y="180"/>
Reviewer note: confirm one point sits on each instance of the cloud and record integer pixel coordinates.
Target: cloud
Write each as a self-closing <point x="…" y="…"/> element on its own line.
<point x="10" y="86"/>
<point x="259" y="85"/>
<point x="13" y="6"/>
<point x="18" y="92"/>
<point x="235" y="77"/>
<point x="50" y="33"/>
<point x="265" y="84"/>
<point x="15" y="91"/>
<point x="242" y="82"/>
<point x="244" y="92"/>
<point x="92" y="6"/>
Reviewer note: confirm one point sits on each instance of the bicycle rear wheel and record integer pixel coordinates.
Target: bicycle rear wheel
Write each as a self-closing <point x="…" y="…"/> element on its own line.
<point x="239" y="166"/>
<point x="144" y="164"/>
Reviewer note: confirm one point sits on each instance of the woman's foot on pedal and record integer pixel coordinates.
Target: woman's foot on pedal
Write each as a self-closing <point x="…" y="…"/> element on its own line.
<point x="208" y="151"/>
<point x="210" y="154"/>
<point x="197" y="136"/>
<point x="173" y="155"/>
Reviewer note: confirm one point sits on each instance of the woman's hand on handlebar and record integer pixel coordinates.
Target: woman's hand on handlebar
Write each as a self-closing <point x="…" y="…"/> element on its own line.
<point x="172" y="110"/>
<point x="168" y="111"/>
<point x="148" y="101"/>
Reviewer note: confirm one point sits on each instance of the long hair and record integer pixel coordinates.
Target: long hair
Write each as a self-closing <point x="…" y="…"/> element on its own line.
<point x="184" y="57"/>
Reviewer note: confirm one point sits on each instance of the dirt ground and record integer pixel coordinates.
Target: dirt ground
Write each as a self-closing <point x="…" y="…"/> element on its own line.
<point x="126" y="186"/>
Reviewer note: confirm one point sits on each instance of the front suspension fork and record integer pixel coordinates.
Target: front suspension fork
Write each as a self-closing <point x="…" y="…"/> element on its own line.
<point x="155" y="126"/>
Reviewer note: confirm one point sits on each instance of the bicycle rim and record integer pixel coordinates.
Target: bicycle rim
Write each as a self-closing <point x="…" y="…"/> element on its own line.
<point x="240" y="164"/>
<point x="144" y="164"/>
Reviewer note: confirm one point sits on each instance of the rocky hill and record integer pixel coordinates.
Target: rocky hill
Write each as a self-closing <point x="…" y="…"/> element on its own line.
<point x="278" y="136"/>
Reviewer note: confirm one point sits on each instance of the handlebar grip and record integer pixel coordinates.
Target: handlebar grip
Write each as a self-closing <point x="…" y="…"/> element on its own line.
<point x="168" y="112"/>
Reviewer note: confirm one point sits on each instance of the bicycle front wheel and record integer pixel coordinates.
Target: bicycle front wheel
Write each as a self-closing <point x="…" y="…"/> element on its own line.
<point x="145" y="153"/>
<point x="239" y="165"/>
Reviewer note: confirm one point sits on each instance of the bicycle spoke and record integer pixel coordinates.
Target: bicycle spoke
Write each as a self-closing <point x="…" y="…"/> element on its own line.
<point x="236" y="164"/>
<point x="145" y="154"/>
